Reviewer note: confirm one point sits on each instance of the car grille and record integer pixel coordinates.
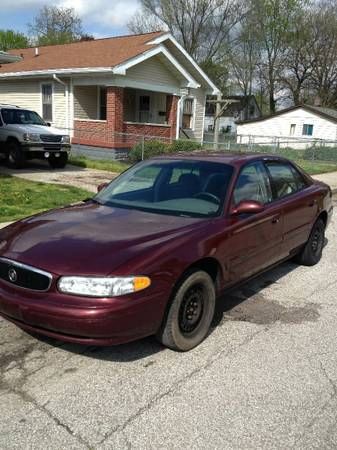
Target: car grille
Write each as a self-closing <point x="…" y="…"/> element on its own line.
<point x="24" y="276"/>
<point x="50" y="138"/>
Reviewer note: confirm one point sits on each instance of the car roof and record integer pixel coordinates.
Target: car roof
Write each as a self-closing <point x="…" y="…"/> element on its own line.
<point x="4" y="105"/>
<point x="236" y="159"/>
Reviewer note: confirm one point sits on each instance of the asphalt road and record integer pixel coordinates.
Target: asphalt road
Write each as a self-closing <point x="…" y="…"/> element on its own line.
<point x="266" y="377"/>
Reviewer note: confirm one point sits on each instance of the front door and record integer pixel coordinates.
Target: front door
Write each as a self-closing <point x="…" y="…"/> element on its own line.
<point x="254" y="240"/>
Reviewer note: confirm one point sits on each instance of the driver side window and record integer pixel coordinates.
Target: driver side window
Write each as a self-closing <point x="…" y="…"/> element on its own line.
<point x="252" y="184"/>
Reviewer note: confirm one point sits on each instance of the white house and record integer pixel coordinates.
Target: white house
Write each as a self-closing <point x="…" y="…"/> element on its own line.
<point x="109" y="91"/>
<point x="298" y="127"/>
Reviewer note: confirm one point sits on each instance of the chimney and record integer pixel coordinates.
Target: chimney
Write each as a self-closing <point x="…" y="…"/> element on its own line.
<point x="36" y="51"/>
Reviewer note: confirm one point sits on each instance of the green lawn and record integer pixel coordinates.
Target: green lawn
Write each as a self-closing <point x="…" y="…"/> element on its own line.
<point x="312" y="167"/>
<point x="20" y="198"/>
<point x="111" y="166"/>
<point x="316" y="167"/>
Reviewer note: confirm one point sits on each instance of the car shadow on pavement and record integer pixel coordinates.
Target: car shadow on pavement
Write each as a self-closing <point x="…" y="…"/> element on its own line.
<point x="251" y="302"/>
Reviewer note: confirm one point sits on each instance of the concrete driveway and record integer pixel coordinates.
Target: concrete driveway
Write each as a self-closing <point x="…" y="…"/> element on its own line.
<point x="76" y="176"/>
<point x="266" y="377"/>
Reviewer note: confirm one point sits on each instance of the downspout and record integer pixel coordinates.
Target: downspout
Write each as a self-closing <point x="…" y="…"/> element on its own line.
<point x="57" y="79"/>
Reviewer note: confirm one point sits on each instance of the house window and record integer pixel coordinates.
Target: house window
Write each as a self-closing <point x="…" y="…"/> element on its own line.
<point x="102" y="104"/>
<point x="47" y="101"/>
<point x="144" y="108"/>
<point x="307" y="129"/>
<point x="188" y="114"/>
<point x="292" y="129"/>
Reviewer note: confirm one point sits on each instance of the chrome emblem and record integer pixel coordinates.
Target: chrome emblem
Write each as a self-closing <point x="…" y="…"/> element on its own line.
<point x="12" y="275"/>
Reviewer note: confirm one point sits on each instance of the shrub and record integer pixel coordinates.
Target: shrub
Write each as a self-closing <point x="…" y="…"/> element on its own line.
<point x="321" y="153"/>
<point x="181" y="145"/>
<point x="151" y="148"/>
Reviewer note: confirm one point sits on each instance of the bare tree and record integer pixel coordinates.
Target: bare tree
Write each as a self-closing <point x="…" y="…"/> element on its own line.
<point x="299" y="59"/>
<point x="55" y="25"/>
<point x="243" y="59"/>
<point x="203" y="27"/>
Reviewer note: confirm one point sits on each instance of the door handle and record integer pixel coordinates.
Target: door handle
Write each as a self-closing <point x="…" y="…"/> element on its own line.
<point x="312" y="203"/>
<point x="276" y="219"/>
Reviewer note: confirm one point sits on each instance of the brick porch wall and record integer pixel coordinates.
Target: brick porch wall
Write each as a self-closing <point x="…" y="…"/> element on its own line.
<point x="105" y="133"/>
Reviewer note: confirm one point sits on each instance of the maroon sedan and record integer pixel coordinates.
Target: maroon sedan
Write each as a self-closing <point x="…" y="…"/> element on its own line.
<point x="150" y="253"/>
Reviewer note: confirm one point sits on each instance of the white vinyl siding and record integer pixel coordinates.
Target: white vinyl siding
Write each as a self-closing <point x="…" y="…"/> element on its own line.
<point x="199" y="96"/>
<point x="25" y="94"/>
<point x="60" y="106"/>
<point x="153" y="71"/>
<point x="85" y="102"/>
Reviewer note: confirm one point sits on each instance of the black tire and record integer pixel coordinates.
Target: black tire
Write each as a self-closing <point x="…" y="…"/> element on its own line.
<point x="311" y="253"/>
<point x="15" y="156"/>
<point x="190" y="314"/>
<point x="58" y="162"/>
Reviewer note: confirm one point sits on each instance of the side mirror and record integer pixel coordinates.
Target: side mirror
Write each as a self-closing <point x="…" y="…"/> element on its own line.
<point x="48" y="124"/>
<point x="247" y="207"/>
<point x="101" y="186"/>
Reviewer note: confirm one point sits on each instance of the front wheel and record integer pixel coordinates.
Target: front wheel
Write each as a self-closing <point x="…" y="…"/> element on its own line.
<point x="15" y="156"/>
<point x="311" y="253"/>
<point x="190" y="314"/>
<point x="58" y="162"/>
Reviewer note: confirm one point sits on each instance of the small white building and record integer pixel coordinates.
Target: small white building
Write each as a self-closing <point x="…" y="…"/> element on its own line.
<point x="297" y="127"/>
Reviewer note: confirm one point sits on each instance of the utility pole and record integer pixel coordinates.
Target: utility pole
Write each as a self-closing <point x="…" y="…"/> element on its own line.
<point x="220" y="106"/>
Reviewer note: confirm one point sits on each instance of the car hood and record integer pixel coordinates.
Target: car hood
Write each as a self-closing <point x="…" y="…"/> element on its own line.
<point x="88" y="238"/>
<point x="40" y="129"/>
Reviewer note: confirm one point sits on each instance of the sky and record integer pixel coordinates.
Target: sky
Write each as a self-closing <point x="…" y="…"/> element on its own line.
<point x="100" y="18"/>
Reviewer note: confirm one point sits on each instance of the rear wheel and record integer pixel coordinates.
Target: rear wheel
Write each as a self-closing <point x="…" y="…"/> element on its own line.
<point x="190" y="314"/>
<point x="58" y="162"/>
<point x="311" y="253"/>
<point x="15" y="156"/>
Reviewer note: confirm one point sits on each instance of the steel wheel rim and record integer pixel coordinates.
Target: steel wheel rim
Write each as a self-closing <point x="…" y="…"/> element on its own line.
<point x="317" y="241"/>
<point x="191" y="309"/>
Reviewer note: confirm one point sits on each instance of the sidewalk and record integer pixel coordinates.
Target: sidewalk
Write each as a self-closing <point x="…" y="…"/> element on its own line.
<point x="328" y="178"/>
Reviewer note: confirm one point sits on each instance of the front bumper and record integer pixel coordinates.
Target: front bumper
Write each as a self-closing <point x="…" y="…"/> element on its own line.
<point x="120" y="320"/>
<point x="46" y="147"/>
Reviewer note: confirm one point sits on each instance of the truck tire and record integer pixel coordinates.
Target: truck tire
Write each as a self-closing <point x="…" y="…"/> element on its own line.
<point x="58" y="162"/>
<point x="15" y="156"/>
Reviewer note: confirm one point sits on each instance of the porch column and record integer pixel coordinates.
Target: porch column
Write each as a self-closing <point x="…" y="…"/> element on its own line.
<point x="172" y="107"/>
<point x="115" y="111"/>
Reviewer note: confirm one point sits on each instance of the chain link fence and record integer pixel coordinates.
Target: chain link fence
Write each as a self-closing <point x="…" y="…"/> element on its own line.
<point x="104" y="144"/>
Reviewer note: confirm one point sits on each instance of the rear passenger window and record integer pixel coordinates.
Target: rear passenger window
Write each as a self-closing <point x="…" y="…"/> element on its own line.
<point x="285" y="179"/>
<point x="253" y="184"/>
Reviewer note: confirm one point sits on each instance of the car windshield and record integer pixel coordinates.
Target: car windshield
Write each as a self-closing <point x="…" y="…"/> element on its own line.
<point x="174" y="187"/>
<point x="21" y="117"/>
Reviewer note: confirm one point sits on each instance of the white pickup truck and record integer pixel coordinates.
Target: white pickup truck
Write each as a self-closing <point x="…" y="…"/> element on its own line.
<point x="25" y="135"/>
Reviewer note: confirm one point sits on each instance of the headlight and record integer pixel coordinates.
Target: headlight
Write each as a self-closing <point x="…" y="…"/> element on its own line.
<point x="102" y="287"/>
<point x="31" y="137"/>
<point x="65" y="139"/>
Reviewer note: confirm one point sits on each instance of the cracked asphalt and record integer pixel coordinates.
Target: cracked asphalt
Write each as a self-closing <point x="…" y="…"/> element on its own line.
<point x="266" y="377"/>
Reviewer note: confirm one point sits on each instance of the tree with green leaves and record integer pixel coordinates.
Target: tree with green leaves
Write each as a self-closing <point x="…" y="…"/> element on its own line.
<point x="10" y="39"/>
<point x="272" y="22"/>
<point x="54" y="25"/>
